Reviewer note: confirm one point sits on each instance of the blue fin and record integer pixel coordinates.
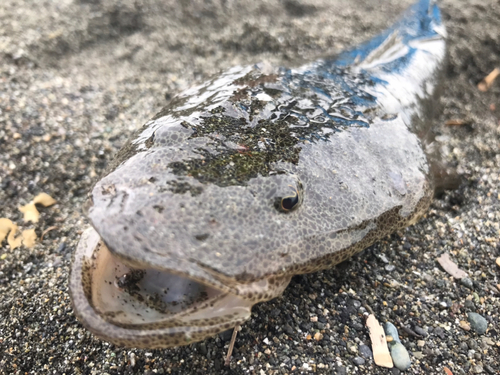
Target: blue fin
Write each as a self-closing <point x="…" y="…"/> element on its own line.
<point x="421" y="21"/>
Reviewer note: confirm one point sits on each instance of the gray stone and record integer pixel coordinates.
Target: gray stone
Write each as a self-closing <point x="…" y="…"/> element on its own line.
<point x="477" y="322"/>
<point x="465" y="281"/>
<point x="391" y="330"/>
<point x="400" y="356"/>
<point x="365" y="351"/>
<point x="489" y="369"/>
<point x="418" y="355"/>
<point x="358" y="361"/>
<point x="383" y="258"/>
<point x="438" y="331"/>
<point x="472" y="344"/>
<point x="478" y="369"/>
<point x="469" y="304"/>
<point x="421" y="331"/>
<point x="390" y="267"/>
<point x="358" y="326"/>
<point x="341" y="370"/>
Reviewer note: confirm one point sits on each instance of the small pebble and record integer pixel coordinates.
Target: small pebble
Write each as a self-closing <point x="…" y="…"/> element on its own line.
<point x="203" y="348"/>
<point x="383" y="258"/>
<point x="438" y="331"/>
<point x="464" y="325"/>
<point x="420" y="331"/>
<point x="487" y="341"/>
<point x="489" y="369"/>
<point x="472" y="344"/>
<point x="390" y="267"/>
<point x="365" y="351"/>
<point x="418" y="355"/>
<point x="217" y="364"/>
<point x="288" y="329"/>
<point x="400" y="356"/>
<point x="469" y="304"/>
<point x="478" y="369"/>
<point x="465" y="281"/>
<point x="226" y="335"/>
<point x="358" y="361"/>
<point x="477" y="322"/>
<point x="61" y="247"/>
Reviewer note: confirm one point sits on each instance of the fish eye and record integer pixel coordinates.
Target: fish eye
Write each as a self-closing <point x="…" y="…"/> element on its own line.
<point x="288" y="203"/>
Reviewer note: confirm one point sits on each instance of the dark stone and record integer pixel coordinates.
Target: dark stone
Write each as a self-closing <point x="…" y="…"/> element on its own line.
<point x="465" y="281"/>
<point x="306" y="327"/>
<point x="439" y="332"/>
<point x="37" y="131"/>
<point x="353" y="302"/>
<point x="203" y="348"/>
<point x="296" y="8"/>
<point x="288" y="330"/>
<point x="226" y="335"/>
<point x="420" y="331"/>
<point x="358" y="326"/>
<point x="275" y="312"/>
<point x="217" y="364"/>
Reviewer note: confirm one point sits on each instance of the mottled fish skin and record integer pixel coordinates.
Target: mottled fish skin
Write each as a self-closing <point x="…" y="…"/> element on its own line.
<point x="261" y="174"/>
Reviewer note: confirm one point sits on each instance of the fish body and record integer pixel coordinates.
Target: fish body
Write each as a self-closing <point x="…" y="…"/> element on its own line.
<point x="253" y="177"/>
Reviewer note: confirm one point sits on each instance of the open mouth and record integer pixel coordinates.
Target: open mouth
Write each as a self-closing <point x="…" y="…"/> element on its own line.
<point x="139" y="307"/>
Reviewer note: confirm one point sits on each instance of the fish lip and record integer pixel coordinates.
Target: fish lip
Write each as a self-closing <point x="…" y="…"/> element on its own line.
<point x="140" y="337"/>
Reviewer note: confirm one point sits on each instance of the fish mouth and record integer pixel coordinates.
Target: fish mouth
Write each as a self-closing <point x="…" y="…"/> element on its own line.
<point x="146" y="307"/>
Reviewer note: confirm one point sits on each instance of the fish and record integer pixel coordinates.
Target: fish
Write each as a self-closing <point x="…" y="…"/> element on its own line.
<point x="255" y="176"/>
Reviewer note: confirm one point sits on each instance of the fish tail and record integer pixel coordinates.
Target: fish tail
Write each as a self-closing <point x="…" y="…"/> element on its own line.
<point x="421" y="21"/>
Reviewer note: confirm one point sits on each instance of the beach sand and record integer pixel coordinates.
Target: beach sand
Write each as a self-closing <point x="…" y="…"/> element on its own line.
<point x="78" y="76"/>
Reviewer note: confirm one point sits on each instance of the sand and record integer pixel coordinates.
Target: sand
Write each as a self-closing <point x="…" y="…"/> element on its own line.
<point x="77" y="76"/>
